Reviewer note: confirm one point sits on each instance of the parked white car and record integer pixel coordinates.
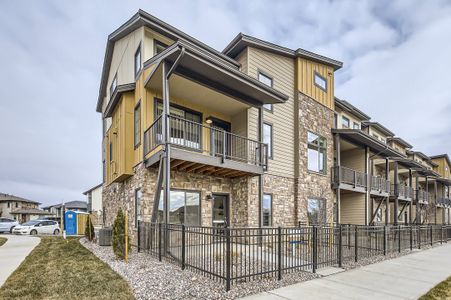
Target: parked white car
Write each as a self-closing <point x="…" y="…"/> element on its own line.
<point x="7" y="225"/>
<point x="35" y="227"/>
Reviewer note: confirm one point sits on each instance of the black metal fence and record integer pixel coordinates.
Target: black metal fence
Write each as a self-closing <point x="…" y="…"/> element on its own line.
<point x="234" y="255"/>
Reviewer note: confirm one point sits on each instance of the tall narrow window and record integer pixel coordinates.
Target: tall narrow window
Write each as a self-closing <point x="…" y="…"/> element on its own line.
<point x="158" y="47"/>
<point x="316" y="153"/>
<point x="138" y="60"/>
<point x="113" y="85"/>
<point x="267" y="210"/>
<point x="268" y="81"/>
<point x="345" y="123"/>
<point x="111" y="151"/>
<point x="138" y="198"/>
<point x="320" y="82"/>
<point x="316" y="211"/>
<point x="356" y="125"/>
<point x="267" y="138"/>
<point x="335" y="120"/>
<point x="137" y="124"/>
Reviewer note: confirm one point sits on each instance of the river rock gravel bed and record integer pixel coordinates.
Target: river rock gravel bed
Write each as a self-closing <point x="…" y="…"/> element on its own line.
<point x="152" y="279"/>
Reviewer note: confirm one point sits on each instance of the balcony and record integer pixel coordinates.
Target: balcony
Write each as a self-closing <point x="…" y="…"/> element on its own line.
<point x="404" y="192"/>
<point x="346" y="178"/>
<point x="205" y="149"/>
<point x="421" y="196"/>
<point x="380" y="186"/>
<point x="443" y="202"/>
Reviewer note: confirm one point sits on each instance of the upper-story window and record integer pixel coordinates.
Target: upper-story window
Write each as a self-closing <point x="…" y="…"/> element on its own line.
<point x="267" y="138"/>
<point x="158" y="47"/>
<point x="113" y="85"/>
<point x="111" y="151"/>
<point x="320" y="82"/>
<point x="9" y="204"/>
<point x="345" y="123"/>
<point x="335" y="120"/>
<point x="138" y="60"/>
<point x="356" y="125"/>
<point x="137" y="124"/>
<point x="316" y="153"/>
<point x="265" y="79"/>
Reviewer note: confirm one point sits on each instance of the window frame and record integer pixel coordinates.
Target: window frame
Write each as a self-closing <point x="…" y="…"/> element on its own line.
<point x="318" y="149"/>
<point x="270" y="210"/>
<point x="184" y="212"/>
<point x="137" y="141"/>
<point x="111" y="151"/>
<point x="271" y="79"/>
<point x="271" y="144"/>
<point x="158" y="43"/>
<point x="138" y="51"/>
<point x="354" y="125"/>
<point x="113" y="85"/>
<point x="343" y="118"/>
<point x="317" y="75"/>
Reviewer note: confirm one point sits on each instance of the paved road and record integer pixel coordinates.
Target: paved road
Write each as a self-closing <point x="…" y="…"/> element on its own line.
<point x="407" y="277"/>
<point x="13" y="252"/>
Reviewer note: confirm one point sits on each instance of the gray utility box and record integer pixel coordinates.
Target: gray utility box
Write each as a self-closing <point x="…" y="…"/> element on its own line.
<point x="105" y="235"/>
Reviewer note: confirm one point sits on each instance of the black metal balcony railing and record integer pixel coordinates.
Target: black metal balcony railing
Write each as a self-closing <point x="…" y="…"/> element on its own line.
<point x="421" y="196"/>
<point x="208" y="140"/>
<point x="444" y="202"/>
<point x="349" y="176"/>
<point x="405" y="192"/>
<point x="379" y="184"/>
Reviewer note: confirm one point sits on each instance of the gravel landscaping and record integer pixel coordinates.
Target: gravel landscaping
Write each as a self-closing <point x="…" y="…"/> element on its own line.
<point x="151" y="279"/>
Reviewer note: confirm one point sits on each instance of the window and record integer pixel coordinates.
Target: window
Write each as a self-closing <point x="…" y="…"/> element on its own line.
<point x="316" y="211"/>
<point x="320" y="82"/>
<point x="158" y="47"/>
<point x="345" y="123"/>
<point x="316" y="153"/>
<point x="138" y="60"/>
<point x="267" y="210"/>
<point x="137" y="124"/>
<point x="184" y="207"/>
<point x="335" y="120"/>
<point x="268" y="107"/>
<point x="138" y="197"/>
<point x="356" y="125"/>
<point x="265" y="79"/>
<point x="267" y="138"/>
<point x="379" y="215"/>
<point x="9" y="204"/>
<point x="113" y="85"/>
<point x="111" y="151"/>
<point x="17" y="204"/>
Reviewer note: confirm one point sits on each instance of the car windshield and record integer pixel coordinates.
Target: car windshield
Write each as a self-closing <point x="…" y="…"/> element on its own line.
<point x="30" y="223"/>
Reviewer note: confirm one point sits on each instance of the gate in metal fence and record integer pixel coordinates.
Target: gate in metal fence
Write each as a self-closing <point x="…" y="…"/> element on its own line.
<point x="235" y="255"/>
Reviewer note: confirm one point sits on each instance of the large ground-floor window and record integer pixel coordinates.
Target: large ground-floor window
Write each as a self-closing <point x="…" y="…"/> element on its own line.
<point x="316" y="211"/>
<point x="184" y="207"/>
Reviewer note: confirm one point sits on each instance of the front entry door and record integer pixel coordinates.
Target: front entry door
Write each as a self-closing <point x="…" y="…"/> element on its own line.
<point x="220" y="210"/>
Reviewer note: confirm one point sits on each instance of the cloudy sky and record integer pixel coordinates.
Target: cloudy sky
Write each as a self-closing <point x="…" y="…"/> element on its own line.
<point x="396" y="54"/>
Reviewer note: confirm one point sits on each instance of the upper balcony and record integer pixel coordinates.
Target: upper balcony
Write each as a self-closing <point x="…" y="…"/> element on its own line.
<point x="403" y="192"/>
<point x="443" y="202"/>
<point x="349" y="179"/>
<point x="421" y="197"/>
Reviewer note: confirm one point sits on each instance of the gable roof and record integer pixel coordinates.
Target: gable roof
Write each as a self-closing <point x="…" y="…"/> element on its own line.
<point x="445" y="156"/>
<point x="7" y="197"/>
<point x="379" y="127"/>
<point x="70" y="204"/>
<point x="93" y="188"/>
<point x="400" y="141"/>
<point x="345" y="105"/>
<point x="242" y="41"/>
<point x="142" y="18"/>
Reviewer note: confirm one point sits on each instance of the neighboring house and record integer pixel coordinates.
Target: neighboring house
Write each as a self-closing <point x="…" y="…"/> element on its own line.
<point x="250" y="136"/>
<point x="95" y="206"/>
<point x="20" y="209"/>
<point x="81" y="206"/>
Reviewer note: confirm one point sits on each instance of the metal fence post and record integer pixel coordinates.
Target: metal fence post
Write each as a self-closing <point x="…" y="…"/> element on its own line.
<point x="399" y="239"/>
<point x="441" y="234"/>
<point x="419" y="237"/>
<point x="356" y="243"/>
<point x="315" y="248"/>
<point x="432" y="236"/>
<point x="385" y="240"/>
<point x="340" y="246"/>
<point x="139" y="235"/>
<point x="279" y="252"/>
<point x="183" y="247"/>
<point x="411" y="237"/>
<point x="227" y="232"/>
<point x="159" y="241"/>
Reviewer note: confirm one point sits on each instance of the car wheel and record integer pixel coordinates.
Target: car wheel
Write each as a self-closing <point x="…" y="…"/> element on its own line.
<point x="11" y="230"/>
<point x="33" y="232"/>
<point x="56" y="232"/>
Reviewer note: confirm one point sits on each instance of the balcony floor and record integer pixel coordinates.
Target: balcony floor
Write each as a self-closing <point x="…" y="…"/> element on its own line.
<point x="192" y="162"/>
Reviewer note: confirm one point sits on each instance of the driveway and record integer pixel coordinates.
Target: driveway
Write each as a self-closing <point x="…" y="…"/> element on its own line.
<point x="406" y="277"/>
<point x="13" y="252"/>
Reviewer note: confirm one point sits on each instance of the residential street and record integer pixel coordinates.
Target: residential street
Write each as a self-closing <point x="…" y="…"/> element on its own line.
<point x="407" y="277"/>
<point x="13" y="252"/>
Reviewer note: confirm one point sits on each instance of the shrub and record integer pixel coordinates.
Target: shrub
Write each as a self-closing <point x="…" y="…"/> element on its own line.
<point x="89" y="229"/>
<point x="118" y="238"/>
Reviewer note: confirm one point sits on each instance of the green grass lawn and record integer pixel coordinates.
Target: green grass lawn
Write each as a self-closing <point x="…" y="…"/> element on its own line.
<point x="440" y="291"/>
<point x="2" y="240"/>
<point x="64" y="269"/>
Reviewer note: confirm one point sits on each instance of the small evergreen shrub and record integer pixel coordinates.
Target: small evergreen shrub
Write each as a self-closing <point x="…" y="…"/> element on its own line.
<point x="89" y="229"/>
<point x="118" y="238"/>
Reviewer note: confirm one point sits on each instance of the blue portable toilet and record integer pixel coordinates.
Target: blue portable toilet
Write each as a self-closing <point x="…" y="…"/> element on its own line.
<point x="70" y="222"/>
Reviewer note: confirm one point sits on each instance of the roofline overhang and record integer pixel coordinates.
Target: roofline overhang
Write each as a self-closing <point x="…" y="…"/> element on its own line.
<point x="400" y="141"/>
<point x="445" y="156"/>
<point x="116" y="96"/>
<point x="93" y="188"/>
<point x="242" y="41"/>
<point x="142" y="18"/>
<point x="210" y="61"/>
<point x="362" y="138"/>
<point x="379" y="127"/>
<point x="345" y="105"/>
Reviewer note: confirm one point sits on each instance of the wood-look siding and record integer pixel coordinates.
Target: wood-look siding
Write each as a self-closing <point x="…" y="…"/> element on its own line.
<point x="305" y="70"/>
<point x="352" y="208"/>
<point x="354" y="159"/>
<point x="281" y="69"/>
<point x="443" y="167"/>
<point x="352" y="119"/>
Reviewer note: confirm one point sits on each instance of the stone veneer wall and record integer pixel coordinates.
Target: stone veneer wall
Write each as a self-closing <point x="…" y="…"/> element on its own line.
<point x="318" y="119"/>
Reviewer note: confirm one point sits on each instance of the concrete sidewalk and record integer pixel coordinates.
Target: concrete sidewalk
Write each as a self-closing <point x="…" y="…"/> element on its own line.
<point x="13" y="252"/>
<point x="406" y="277"/>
